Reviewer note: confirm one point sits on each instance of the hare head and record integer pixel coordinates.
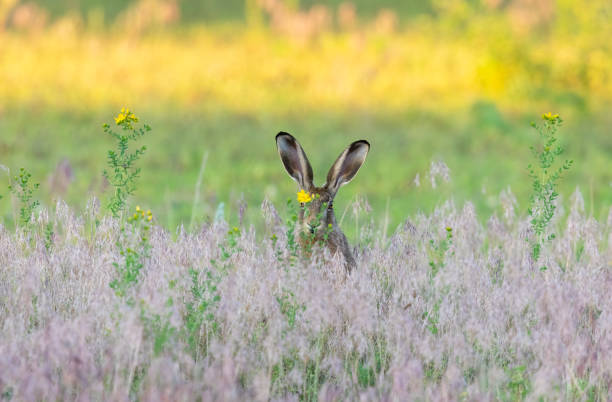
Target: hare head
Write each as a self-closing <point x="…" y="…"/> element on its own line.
<point x="316" y="216"/>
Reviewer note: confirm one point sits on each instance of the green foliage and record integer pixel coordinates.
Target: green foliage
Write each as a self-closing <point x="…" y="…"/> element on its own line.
<point x="581" y="389"/>
<point x="121" y="161"/>
<point x="367" y="371"/>
<point x="199" y="319"/>
<point x="7" y="394"/>
<point x="292" y="244"/>
<point x="289" y="306"/>
<point x="138" y="377"/>
<point x="48" y="233"/>
<point x="432" y="318"/>
<point x="312" y="373"/>
<point x="231" y="244"/>
<point x="435" y="371"/>
<point x="158" y="328"/>
<point x="134" y="255"/>
<point x="170" y="167"/>
<point x="437" y="252"/>
<point x="280" y="371"/>
<point x="517" y="387"/>
<point x="545" y="175"/>
<point x="24" y="189"/>
<point x="313" y="380"/>
<point x="34" y="320"/>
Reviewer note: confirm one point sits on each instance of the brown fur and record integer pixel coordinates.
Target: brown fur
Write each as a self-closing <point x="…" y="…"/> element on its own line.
<point x="317" y="219"/>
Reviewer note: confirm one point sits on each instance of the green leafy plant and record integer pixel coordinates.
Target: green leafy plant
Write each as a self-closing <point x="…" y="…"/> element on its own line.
<point x="134" y="255"/>
<point x="289" y="306"/>
<point x="434" y="371"/>
<point x="199" y="319"/>
<point x="433" y="318"/>
<point x="7" y="393"/>
<point x="230" y="247"/>
<point x="545" y="175"/>
<point x="437" y="252"/>
<point x="368" y="370"/>
<point x="292" y="244"/>
<point x="518" y="385"/>
<point x="122" y="172"/>
<point x="158" y="327"/>
<point x="49" y="234"/>
<point x="24" y="189"/>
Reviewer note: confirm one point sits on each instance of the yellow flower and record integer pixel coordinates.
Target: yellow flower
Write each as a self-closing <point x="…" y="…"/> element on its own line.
<point x="125" y="117"/>
<point x="549" y="116"/>
<point x="137" y="208"/>
<point x="149" y="218"/>
<point x="303" y="197"/>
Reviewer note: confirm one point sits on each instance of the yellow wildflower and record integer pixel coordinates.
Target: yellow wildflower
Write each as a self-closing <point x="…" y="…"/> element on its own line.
<point x="137" y="208"/>
<point x="549" y="116"/>
<point x="125" y="117"/>
<point x="120" y="117"/>
<point x="304" y="197"/>
<point x="149" y="218"/>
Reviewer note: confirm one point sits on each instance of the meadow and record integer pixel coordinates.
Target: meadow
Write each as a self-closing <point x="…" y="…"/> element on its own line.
<point x="460" y="87"/>
<point x="193" y="288"/>
<point x="446" y="308"/>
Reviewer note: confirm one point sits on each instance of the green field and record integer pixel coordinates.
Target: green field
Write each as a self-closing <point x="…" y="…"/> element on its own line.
<point x="458" y="85"/>
<point x="464" y="276"/>
<point x="485" y="151"/>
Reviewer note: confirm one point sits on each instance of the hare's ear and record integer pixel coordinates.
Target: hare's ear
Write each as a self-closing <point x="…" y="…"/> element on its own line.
<point x="295" y="160"/>
<point x="347" y="165"/>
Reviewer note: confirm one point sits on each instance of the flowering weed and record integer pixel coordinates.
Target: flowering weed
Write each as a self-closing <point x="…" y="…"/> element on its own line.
<point x="134" y="247"/>
<point x="122" y="173"/>
<point x="545" y="175"/>
<point x="23" y="189"/>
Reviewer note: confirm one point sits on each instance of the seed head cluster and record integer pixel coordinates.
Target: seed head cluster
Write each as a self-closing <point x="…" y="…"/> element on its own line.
<point x="446" y="308"/>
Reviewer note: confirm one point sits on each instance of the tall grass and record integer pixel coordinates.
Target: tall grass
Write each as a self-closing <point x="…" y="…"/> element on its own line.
<point x="217" y="315"/>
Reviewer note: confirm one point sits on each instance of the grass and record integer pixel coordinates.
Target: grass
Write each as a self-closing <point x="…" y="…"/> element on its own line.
<point x="457" y="86"/>
<point x="244" y="163"/>
<point x="208" y="295"/>
<point x="221" y="314"/>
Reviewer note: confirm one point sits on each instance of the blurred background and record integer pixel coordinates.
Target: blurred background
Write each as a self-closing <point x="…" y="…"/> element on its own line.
<point x="444" y="90"/>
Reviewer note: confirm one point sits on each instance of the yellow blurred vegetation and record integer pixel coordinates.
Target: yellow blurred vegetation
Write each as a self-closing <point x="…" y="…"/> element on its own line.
<point x="283" y="60"/>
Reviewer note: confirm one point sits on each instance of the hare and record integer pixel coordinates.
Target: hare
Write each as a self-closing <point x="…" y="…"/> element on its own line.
<point x="317" y="221"/>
